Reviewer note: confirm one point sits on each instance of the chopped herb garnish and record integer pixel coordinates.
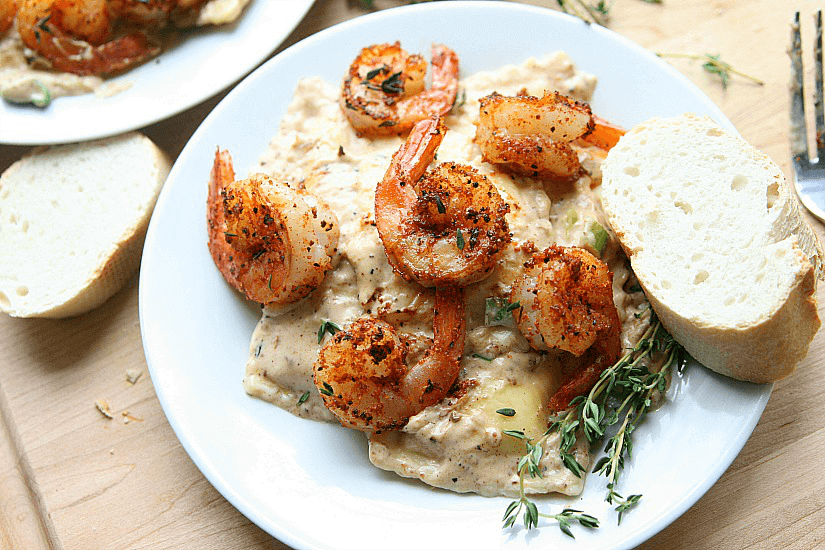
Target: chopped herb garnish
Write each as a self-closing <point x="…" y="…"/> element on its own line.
<point x="394" y="84"/>
<point x="375" y="72"/>
<point x="303" y="398"/>
<point x="479" y="356"/>
<point x="326" y="390"/>
<point x="600" y="236"/>
<point x="440" y="205"/>
<point x="387" y="123"/>
<point x="327" y="327"/>
<point x="497" y="310"/>
<point x="459" y="239"/>
<point x="507" y="412"/>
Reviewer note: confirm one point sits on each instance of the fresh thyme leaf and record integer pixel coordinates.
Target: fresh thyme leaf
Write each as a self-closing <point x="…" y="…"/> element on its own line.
<point x="326" y="390"/>
<point x="303" y="398"/>
<point x="507" y="412"/>
<point x="479" y="356"/>
<point x="514" y="433"/>
<point x="387" y="123"/>
<point x="459" y="239"/>
<point x="327" y="327"/>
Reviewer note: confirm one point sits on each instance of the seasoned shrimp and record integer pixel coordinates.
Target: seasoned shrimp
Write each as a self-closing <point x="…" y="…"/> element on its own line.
<point x="442" y="227"/>
<point x="566" y="299"/>
<point x="269" y="241"/>
<point x="75" y="36"/>
<point x="363" y="377"/>
<point x="531" y="136"/>
<point x="384" y="92"/>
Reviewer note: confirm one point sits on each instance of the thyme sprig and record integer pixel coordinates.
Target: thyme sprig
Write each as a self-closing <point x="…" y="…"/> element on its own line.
<point x="623" y="395"/>
<point x="713" y="64"/>
<point x="530" y="464"/>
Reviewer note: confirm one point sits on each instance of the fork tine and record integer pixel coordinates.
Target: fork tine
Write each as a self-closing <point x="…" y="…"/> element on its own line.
<point x="819" y="109"/>
<point x="799" y="138"/>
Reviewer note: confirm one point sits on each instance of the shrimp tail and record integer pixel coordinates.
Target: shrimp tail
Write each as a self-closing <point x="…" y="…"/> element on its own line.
<point x="221" y="175"/>
<point x="430" y="379"/>
<point x="604" y="135"/>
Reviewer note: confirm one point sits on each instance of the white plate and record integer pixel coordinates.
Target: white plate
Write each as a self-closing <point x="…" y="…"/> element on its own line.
<point x="311" y="485"/>
<point x="204" y="63"/>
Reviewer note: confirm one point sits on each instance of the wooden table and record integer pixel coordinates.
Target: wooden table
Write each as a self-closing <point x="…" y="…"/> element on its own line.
<point x="70" y="478"/>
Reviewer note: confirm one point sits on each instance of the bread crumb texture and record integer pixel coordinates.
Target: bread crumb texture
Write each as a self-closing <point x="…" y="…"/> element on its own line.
<point x="72" y="223"/>
<point x="719" y="244"/>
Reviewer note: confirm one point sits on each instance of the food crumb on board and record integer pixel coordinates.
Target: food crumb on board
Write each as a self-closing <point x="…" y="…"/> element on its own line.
<point x="132" y="375"/>
<point x="104" y="409"/>
<point x="129" y="418"/>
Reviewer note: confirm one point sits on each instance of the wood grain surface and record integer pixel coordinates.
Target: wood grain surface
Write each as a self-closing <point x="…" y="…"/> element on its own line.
<point x="72" y="478"/>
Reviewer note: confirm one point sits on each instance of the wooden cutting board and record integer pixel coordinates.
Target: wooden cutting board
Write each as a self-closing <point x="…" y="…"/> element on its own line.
<point x="71" y="477"/>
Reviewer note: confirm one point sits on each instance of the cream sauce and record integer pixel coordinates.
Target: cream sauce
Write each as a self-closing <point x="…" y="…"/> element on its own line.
<point x="457" y="444"/>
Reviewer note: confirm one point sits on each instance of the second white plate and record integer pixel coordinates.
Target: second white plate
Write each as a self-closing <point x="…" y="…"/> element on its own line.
<point x="204" y="63"/>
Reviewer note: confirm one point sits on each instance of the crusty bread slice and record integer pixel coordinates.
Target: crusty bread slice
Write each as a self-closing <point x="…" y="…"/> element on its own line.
<point x="715" y="235"/>
<point x="72" y="223"/>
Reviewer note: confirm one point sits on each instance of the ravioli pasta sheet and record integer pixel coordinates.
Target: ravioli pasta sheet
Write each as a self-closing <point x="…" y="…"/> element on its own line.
<point x="459" y="443"/>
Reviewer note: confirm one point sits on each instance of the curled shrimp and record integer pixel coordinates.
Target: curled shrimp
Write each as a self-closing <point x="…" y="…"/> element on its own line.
<point x="75" y="36"/>
<point x="362" y="374"/>
<point x="384" y="92"/>
<point x="531" y="136"/>
<point x="442" y="227"/>
<point x="271" y="242"/>
<point x="566" y="299"/>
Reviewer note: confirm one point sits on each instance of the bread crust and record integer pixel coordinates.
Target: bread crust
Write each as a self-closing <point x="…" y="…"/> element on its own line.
<point x="756" y="345"/>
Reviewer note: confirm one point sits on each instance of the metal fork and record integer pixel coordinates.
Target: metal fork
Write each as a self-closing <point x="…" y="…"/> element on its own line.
<point x="809" y="173"/>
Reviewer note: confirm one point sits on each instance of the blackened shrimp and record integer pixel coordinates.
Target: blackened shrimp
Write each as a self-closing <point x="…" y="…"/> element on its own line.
<point x="566" y="299"/>
<point x="384" y="92"/>
<point x="531" y="136"/>
<point x="440" y="227"/>
<point x="271" y="242"/>
<point x="363" y="377"/>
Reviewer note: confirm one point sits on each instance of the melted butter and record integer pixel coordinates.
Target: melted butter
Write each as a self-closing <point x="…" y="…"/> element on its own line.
<point x="457" y="444"/>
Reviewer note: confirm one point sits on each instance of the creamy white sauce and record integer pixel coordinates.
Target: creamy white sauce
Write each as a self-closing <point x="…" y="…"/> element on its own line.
<point x="457" y="444"/>
<point x="20" y="83"/>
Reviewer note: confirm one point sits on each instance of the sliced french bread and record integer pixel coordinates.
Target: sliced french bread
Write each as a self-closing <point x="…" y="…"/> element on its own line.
<point x="72" y="223"/>
<point x="716" y="238"/>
